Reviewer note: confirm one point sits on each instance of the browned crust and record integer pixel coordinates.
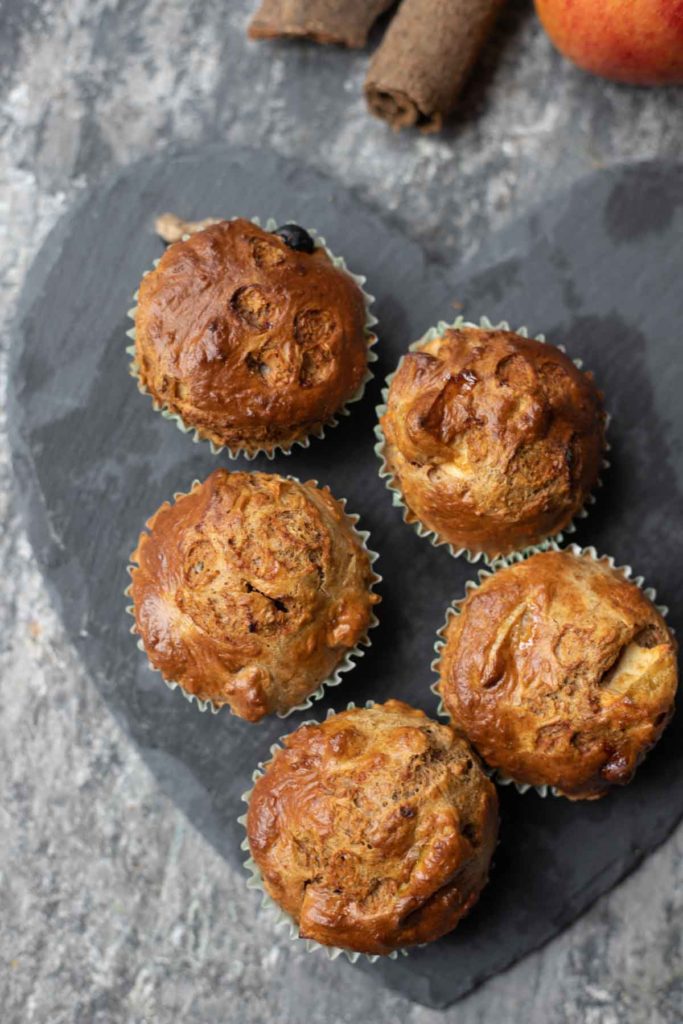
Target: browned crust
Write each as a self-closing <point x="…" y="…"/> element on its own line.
<point x="417" y="72"/>
<point x="250" y="342"/>
<point x="250" y="590"/>
<point x="346" y="22"/>
<point x="561" y="672"/>
<point x="494" y="440"/>
<point x="375" y="829"/>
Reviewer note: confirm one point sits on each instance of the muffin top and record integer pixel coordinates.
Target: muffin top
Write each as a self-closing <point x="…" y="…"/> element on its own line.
<point x="560" y="671"/>
<point x="374" y="830"/>
<point x="252" y="342"/>
<point x="494" y="440"/>
<point x="250" y="590"/>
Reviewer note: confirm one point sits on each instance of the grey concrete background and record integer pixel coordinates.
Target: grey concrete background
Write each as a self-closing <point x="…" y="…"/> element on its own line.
<point x="112" y="908"/>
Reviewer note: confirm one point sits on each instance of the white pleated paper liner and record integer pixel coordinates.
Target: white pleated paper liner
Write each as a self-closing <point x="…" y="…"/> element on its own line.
<point x="255" y="880"/>
<point x="318" y="432"/>
<point x="396" y="495"/>
<point x="347" y="663"/>
<point x="455" y="608"/>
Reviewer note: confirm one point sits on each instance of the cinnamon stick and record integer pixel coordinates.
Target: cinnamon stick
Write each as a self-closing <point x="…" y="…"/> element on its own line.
<point x="324" y="21"/>
<point x="416" y="74"/>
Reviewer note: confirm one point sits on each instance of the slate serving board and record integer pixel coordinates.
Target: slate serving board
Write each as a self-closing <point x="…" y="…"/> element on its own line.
<point x="598" y="269"/>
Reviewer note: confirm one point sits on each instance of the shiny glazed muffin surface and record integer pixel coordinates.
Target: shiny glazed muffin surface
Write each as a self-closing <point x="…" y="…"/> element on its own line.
<point x="374" y="830"/>
<point x="561" y="672"/>
<point x="494" y="440"/>
<point x="251" y="342"/>
<point x="250" y="590"/>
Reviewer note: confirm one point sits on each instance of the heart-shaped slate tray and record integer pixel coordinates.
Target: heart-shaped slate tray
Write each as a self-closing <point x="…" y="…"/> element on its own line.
<point x="598" y="269"/>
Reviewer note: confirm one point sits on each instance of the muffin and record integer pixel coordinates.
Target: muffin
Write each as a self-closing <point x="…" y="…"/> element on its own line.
<point x="253" y="338"/>
<point x="251" y="591"/>
<point x="561" y="672"/>
<point x="493" y="440"/>
<point x="373" y="830"/>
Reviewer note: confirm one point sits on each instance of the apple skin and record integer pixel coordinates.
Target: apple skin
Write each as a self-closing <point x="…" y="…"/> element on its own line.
<point x="634" y="41"/>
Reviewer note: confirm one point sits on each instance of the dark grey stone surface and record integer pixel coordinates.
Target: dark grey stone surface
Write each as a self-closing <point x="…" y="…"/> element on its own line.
<point x="113" y="907"/>
<point x="78" y="425"/>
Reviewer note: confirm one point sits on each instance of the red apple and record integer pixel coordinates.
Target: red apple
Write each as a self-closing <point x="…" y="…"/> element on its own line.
<point x="636" y="41"/>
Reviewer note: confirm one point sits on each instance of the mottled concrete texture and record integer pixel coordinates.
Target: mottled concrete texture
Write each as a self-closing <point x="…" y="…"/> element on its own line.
<point x="112" y="909"/>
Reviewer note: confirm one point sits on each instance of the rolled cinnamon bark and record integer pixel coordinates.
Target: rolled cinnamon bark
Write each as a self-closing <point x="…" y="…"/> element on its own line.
<point x="417" y="72"/>
<point x="324" y="21"/>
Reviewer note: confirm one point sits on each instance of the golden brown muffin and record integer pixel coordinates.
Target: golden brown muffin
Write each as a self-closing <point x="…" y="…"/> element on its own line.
<point x="374" y="830"/>
<point x="561" y="672"/>
<point x="251" y="342"/>
<point x="250" y="591"/>
<point x="493" y="439"/>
